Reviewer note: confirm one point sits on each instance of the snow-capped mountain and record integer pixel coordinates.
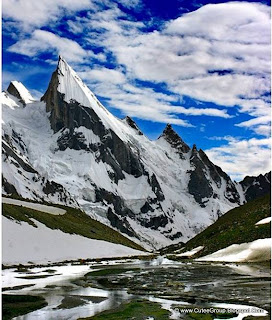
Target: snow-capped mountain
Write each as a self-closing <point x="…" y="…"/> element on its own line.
<point x="69" y="148"/>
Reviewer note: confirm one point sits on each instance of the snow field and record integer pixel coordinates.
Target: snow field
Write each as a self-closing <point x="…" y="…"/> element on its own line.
<point x="23" y="243"/>
<point x="255" y="251"/>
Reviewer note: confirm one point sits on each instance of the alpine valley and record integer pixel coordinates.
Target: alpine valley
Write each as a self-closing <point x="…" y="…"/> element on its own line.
<point x="68" y="149"/>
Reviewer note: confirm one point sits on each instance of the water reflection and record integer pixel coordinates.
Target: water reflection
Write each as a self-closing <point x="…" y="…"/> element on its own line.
<point x="70" y="295"/>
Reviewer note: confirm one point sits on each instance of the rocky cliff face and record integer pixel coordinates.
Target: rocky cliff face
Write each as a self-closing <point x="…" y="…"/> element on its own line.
<point x="72" y="115"/>
<point x="255" y="187"/>
<point x="157" y="192"/>
<point x="175" y="141"/>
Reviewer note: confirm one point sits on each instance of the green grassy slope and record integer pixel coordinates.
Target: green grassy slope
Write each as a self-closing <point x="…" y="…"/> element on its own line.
<point x="236" y="226"/>
<point x="16" y="305"/>
<point x="136" y="310"/>
<point x="73" y="221"/>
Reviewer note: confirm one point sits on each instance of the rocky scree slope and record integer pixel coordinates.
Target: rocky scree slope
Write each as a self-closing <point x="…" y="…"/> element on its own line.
<point x="68" y="148"/>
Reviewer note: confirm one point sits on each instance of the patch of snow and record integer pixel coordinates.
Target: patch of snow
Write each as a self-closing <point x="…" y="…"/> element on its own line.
<point x="23" y="243"/>
<point x="264" y="221"/>
<point x="132" y="188"/>
<point x="190" y="253"/>
<point x="10" y="276"/>
<point x="241" y="192"/>
<point x="35" y="206"/>
<point x="88" y="134"/>
<point x="168" y="304"/>
<point x="161" y="260"/>
<point x="11" y="101"/>
<point x="258" y="250"/>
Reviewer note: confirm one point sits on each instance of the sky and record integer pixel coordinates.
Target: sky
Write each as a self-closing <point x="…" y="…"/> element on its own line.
<point x="203" y="66"/>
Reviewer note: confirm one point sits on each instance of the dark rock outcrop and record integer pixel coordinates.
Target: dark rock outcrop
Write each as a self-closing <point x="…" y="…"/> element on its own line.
<point x="8" y="151"/>
<point x="255" y="187"/>
<point x="201" y="178"/>
<point x="133" y="125"/>
<point x="217" y="174"/>
<point x="175" y="140"/>
<point x="156" y="188"/>
<point x="155" y="222"/>
<point x="120" y="223"/>
<point x="199" y="186"/>
<point x="9" y="188"/>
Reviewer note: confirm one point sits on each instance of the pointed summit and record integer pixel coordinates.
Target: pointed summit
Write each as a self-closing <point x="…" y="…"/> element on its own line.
<point x="70" y="101"/>
<point x="170" y="135"/>
<point x="66" y="82"/>
<point x="133" y="124"/>
<point x="194" y="152"/>
<point x="194" y="149"/>
<point x="18" y="90"/>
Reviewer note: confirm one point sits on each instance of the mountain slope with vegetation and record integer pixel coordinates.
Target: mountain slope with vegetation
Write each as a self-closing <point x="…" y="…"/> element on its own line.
<point x="74" y="221"/>
<point x="235" y="227"/>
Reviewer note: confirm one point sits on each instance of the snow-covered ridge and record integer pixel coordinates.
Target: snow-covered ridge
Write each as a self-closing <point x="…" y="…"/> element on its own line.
<point x="23" y="92"/>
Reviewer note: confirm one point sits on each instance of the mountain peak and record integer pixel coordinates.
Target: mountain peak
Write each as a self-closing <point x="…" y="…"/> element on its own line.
<point x="66" y="82"/>
<point x="170" y="135"/>
<point x="18" y="90"/>
<point x="132" y="124"/>
<point x="63" y="65"/>
<point x="169" y="132"/>
<point x="168" y="128"/>
<point x="67" y="91"/>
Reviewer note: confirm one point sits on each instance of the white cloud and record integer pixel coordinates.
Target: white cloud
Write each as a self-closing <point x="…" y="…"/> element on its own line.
<point x="44" y="41"/>
<point x="7" y="77"/>
<point x="219" y="53"/>
<point x="254" y="121"/>
<point x="75" y="27"/>
<point x="242" y="157"/>
<point x="33" y="13"/>
<point x="234" y="21"/>
<point x="131" y="4"/>
<point x="36" y="94"/>
<point x="263" y="130"/>
<point x="227" y="90"/>
<point x="104" y="75"/>
<point x="143" y="103"/>
<point x="260" y="125"/>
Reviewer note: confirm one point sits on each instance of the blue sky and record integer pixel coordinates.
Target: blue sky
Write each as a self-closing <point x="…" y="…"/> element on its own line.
<point x="203" y="66"/>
